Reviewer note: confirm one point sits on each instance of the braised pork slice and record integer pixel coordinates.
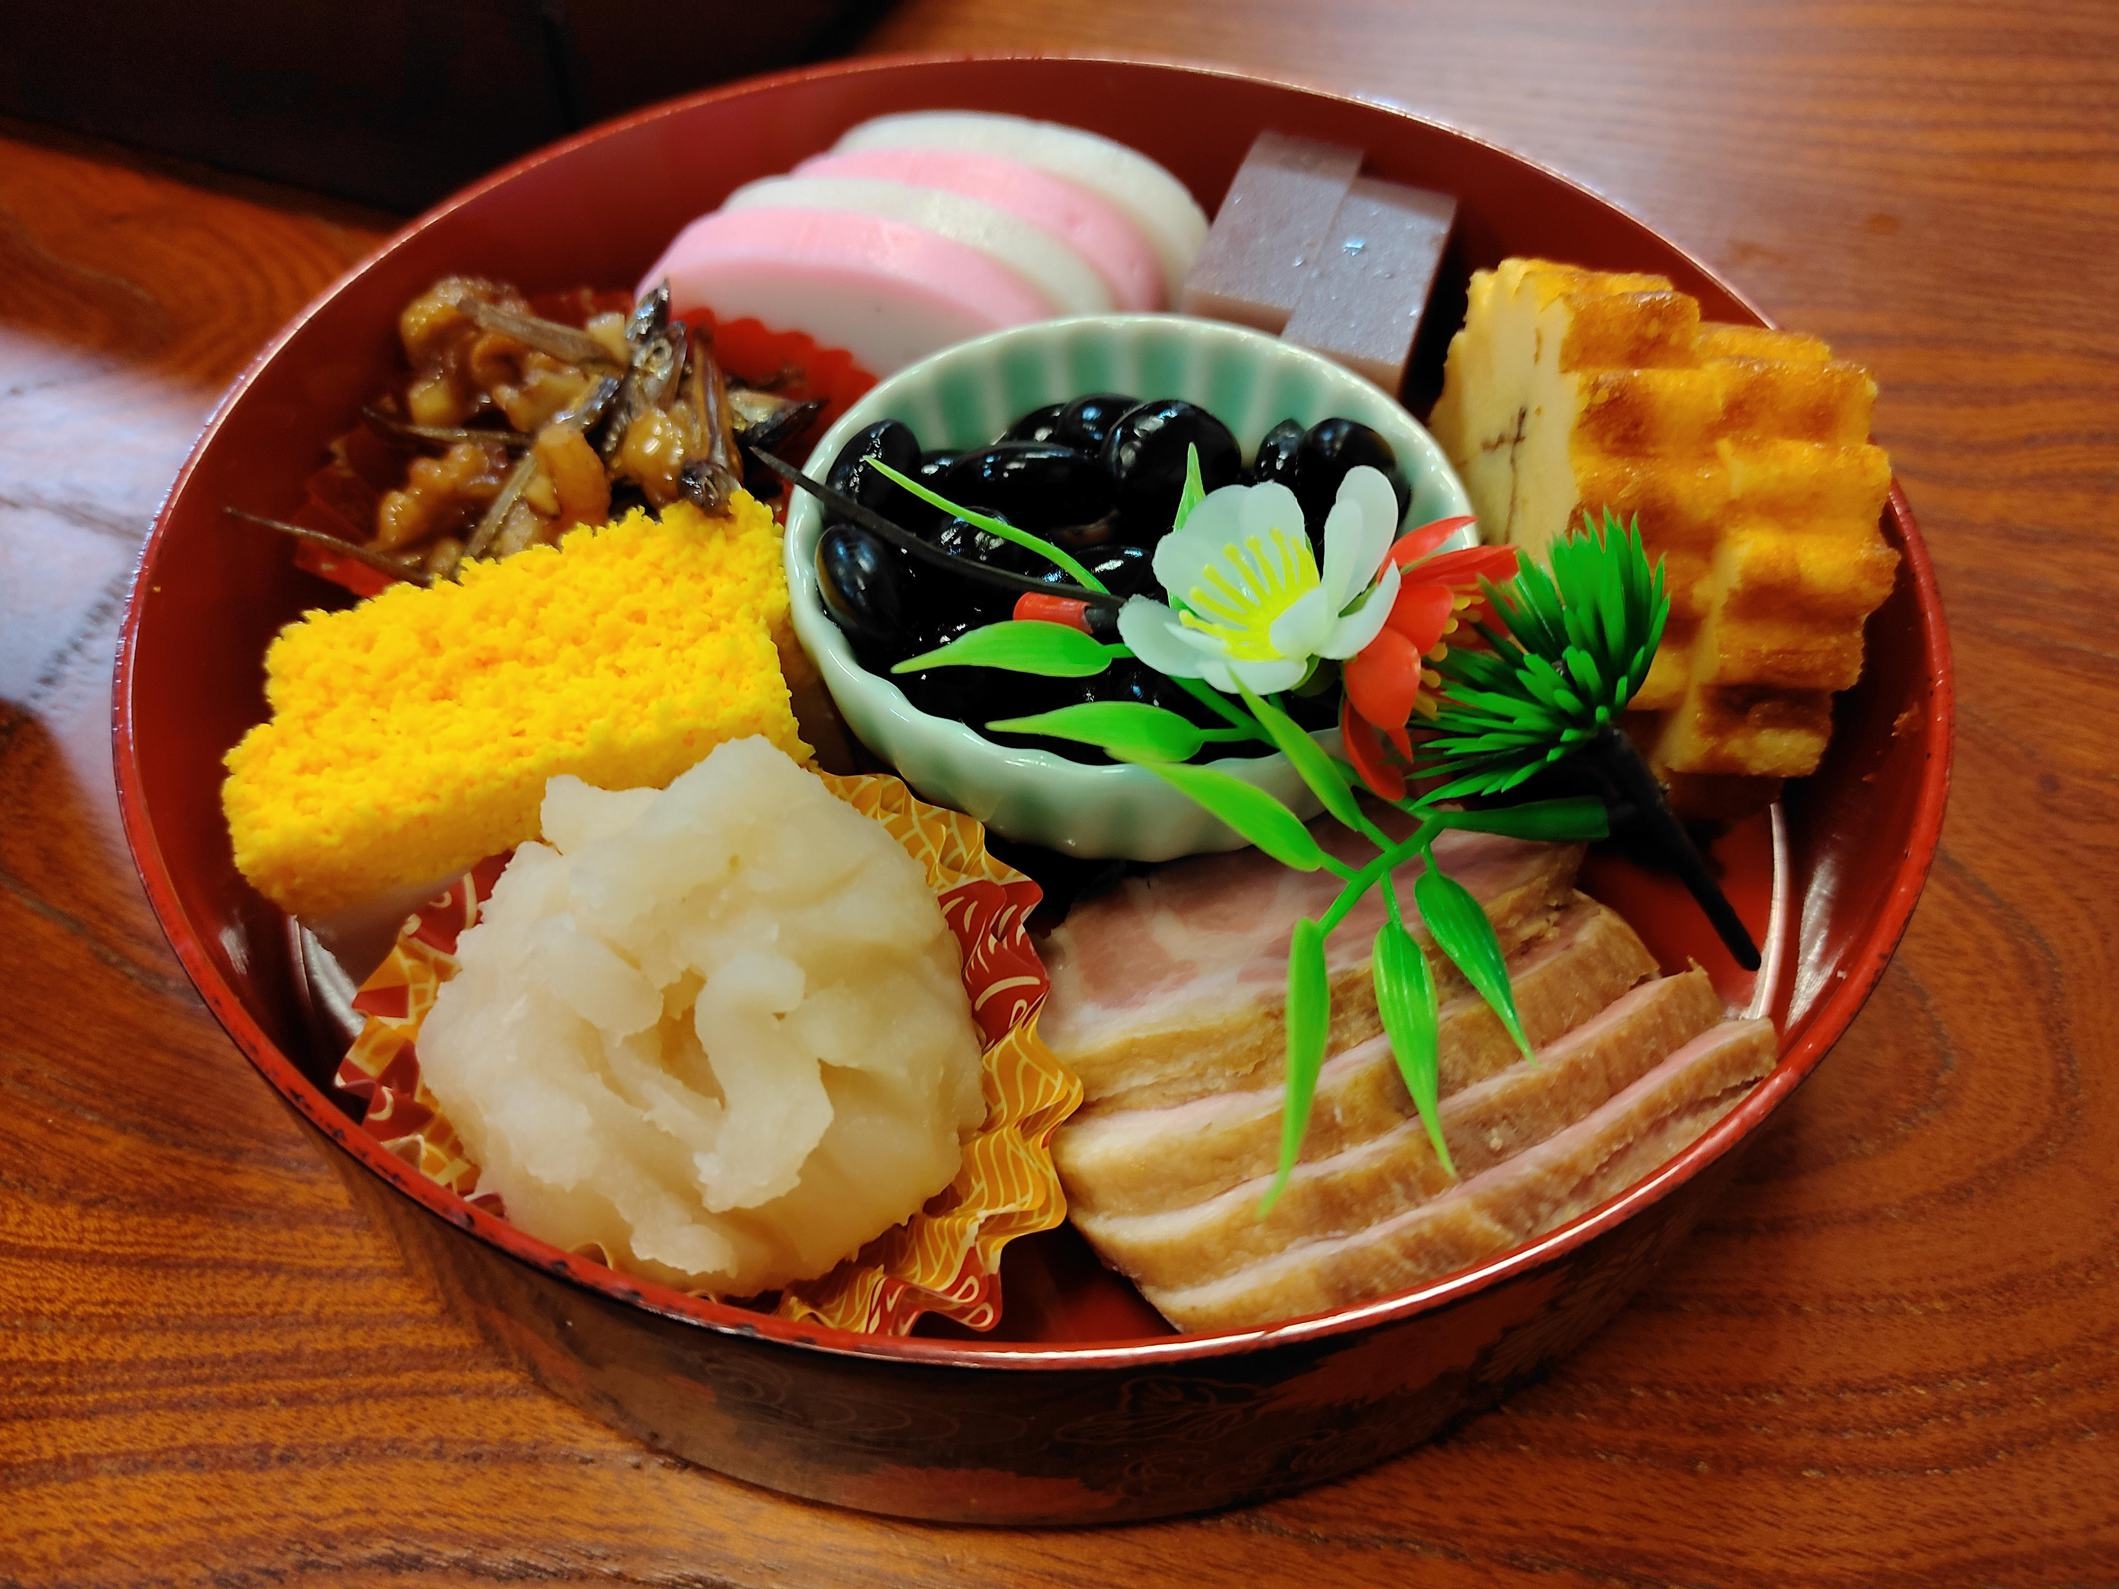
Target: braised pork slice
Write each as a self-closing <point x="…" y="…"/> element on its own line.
<point x="1171" y="986"/>
<point x="1338" y="1193"/>
<point x="1521" y="1197"/>
<point x="1119" y="1158"/>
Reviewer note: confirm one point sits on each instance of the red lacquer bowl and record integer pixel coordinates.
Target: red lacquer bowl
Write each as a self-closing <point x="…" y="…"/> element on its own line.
<point x="1093" y="1416"/>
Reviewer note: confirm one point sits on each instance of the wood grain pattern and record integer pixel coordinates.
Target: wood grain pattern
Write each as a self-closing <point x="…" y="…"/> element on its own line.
<point x="1891" y="1358"/>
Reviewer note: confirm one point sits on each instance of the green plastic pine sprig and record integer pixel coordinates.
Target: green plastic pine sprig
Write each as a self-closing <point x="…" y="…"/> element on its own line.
<point x="1571" y="644"/>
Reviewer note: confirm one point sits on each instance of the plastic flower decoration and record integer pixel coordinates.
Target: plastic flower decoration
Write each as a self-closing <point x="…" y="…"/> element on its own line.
<point x="1394" y="677"/>
<point x="1560" y="650"/>
<point x="1251" y="609"/>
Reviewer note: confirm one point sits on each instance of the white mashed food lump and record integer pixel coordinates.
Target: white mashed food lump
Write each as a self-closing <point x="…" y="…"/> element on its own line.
<point x="717" y="1029"/>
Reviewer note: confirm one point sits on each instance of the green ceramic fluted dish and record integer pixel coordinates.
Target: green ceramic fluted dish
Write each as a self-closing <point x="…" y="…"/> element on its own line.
<point x="965" y="396"/>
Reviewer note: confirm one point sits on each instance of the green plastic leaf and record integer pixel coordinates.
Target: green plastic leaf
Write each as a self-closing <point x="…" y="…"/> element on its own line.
<point x="1610" y="598"/>
<point x="1221" y="706"/>
<point x="1405" y="998"/>
<point x="1195" y="489"/>
<point x="1001" y="527"/>
<point x="1571" y="643"/>
<point x="1534" y="617"/>
<point x="1578" y="819"/>
<point x="1544" y="682"/>
<point x="1261" y="819"/>
<point x="1309" y="1023"/>
<point x="1458" y="924"/>
<point x="1127" y="730"/>
<point x="1385" y="863"/>
<point x="1582" y="668"/>
<point x="1309" y="759"/>
<point x="1053" y="650"/>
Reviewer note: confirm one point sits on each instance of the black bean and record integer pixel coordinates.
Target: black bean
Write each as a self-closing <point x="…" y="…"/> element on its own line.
<point x="892" y="441"/>
<point x="1146" y="452"/>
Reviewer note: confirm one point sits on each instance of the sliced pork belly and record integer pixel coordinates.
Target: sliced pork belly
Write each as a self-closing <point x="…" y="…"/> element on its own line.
<point x="1171" y="985"/>
<point x="1343" y="1192"/>
<point x="1121" y="1160"/>
<point x="1521" y="1197"/>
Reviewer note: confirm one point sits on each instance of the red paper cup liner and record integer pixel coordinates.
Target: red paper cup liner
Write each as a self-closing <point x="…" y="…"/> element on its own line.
<point x="946" y="1258"/>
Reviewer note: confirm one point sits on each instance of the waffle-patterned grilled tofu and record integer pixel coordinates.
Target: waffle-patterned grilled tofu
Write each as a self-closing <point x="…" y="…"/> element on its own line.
<point x="1745" y="454"/>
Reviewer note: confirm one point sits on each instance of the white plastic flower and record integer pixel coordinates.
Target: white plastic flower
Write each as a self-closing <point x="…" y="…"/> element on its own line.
<point x="1253" y="607"/>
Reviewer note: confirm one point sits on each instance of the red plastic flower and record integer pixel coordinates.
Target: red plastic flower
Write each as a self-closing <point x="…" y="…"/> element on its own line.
<point x="1392" y="679"/>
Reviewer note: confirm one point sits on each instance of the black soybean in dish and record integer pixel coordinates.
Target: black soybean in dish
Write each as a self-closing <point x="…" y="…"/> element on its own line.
<point x="891" y="441"/>
<point x="969" y="695"/>
<point x="1125" y="680"/>
<point x="866" y="585"/>
<point x="1330" y="449"/>
<point x="936" y="629"/>
<point x="961" y="539"/>
<point x="1085" y="422"/>
<point x="1039" y="485"/>
<point x="1100" y="475"/>
<point x="989" y="693"/>
<point x="934" y="464"/>
<point x="1146" y="452"/>
<point x="1278" y="454"/>
<point x="1125" y="569"/>
<point x="1040" y="424"/>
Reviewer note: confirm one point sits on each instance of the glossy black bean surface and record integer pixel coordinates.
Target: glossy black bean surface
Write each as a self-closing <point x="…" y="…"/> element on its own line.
<point x="1146" y="452"/>
<point x="1275" y="462"/>
<point x="1125" y="569"/>
<point x="1128" y="680"/>
<point x="961" y="539"/>
<point x="1040" y="424"/>
<point x="866" y="585"/>
<point x="1086" y="421"/>
<point x="1330" y="449"/>
<point x="934" y="464"/>
<point x="892" y="441"/>
<point x="1038" y="485"/>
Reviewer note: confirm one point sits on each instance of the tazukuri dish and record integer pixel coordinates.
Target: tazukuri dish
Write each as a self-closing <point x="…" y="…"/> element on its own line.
<point x="1083" y="1406"/>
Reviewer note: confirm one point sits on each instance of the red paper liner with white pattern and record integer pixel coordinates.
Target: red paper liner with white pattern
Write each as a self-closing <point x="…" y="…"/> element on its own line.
<point x="945" y="1259"/>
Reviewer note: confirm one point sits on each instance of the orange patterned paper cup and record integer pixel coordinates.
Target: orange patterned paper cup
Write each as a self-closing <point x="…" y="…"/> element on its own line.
<point x="946" y="1258"/>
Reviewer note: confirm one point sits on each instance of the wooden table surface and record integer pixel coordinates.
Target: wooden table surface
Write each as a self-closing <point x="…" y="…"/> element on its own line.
<point x="1889" y="1358"/>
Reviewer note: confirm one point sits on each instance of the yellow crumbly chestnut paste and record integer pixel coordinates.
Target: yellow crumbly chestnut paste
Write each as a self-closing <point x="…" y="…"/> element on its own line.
<point x="413" y="734"/>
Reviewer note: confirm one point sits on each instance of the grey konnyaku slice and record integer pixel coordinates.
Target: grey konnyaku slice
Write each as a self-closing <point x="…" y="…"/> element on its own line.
<point x="1489" y="1213"/>
<point x="1373" y="1181"/>
<point x="1119" y="1159"/>
<point x="1363" y="304"/>
<point x="1172" y="985"/>
<point x="1268" y="233"/>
